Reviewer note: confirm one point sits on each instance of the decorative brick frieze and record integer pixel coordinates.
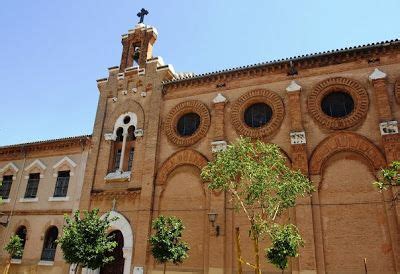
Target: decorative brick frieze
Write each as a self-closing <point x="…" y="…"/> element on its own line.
<point x="389" y="127"/>
<point x="257" y="96"/>
<point x="298" y="138"/>
<point x="177" y="112"/>
<point x="353" y="88"/>
<point x="345" y="141"/>
<point x="218" y="146"/>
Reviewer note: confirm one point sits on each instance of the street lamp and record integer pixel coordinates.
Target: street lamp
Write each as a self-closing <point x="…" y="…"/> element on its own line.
<point x="212" y="216"/>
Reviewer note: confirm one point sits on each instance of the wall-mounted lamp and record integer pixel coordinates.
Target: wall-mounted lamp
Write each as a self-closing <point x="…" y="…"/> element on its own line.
<point x="212" y="216"/>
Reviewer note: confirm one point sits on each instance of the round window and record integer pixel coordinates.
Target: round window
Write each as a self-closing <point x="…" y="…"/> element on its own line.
<point x="337" y="104"/>
<point x="127" y="119"/>
<point x="188" y="124"/>
<point x="257" y="115"/>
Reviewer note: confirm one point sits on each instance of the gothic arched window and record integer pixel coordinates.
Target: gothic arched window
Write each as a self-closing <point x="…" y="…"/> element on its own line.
<point x="50" y="244"/>
<point x="123" y="149"/>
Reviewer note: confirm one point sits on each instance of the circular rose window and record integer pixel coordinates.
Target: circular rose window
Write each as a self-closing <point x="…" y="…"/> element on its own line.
<point x="258" y="113"/>
<point x="187" y="123"/>
<point x="338" y="103"/>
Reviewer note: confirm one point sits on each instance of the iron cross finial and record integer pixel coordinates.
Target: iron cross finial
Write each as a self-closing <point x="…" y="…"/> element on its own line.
<point x="142" y="14"/>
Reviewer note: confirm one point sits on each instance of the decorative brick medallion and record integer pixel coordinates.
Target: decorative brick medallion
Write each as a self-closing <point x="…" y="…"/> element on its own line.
<point x="257" y="96"/>
<point x="177" y="112"/>
<point x="335" y="84"/>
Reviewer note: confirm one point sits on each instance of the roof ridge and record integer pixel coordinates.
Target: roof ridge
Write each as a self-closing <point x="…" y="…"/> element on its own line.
<point x="292" y="58"/>
<point x="47" y="141"/>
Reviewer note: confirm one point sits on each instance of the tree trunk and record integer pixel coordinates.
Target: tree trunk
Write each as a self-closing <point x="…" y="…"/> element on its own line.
<point x="7" y="268"/>
<point x="165" y="268"/>
<point x="239" y="251"/>
<point x="257" y="253"/>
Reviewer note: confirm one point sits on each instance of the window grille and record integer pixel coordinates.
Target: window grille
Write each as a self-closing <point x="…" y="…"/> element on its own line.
<point x="6" y="186"/>
<point x="62" y="184"/>
<point x="130" y="158"/>
<point x="32" y="186"/>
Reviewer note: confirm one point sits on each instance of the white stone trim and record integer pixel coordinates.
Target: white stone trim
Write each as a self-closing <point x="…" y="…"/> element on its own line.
<point x="388" y="127"/>
<point x="219" y="99"/>
<point x="110" y="137"/>
<point x="59" y="199"/>
<point x="218" y="146"/>
<point x="377" y="74"/>
<point x="16" y="261"/>
<point x="293" y="87"/>
<point x="36" y="163"/>
<point x="29" y="200"/>
<point x="139" y="132"/>
<point x="5" y="201"/>
<point x="46" y="263"/>
<point x="123" y="225"/>
<point x="118" y="176"/>
<point x="8" y="166"/>
<point x="298" y="138"/>
<point x="142" y="72"/>
<point x="66" y="160"/>
<point x="121" y="76"/>
<point x="120" y="122"/>
<point x="114" y="99"/>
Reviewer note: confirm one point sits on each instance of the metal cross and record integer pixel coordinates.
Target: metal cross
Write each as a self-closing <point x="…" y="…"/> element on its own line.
<point x="142" y="14"/>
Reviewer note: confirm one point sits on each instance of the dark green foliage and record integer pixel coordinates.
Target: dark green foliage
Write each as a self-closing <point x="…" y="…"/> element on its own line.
<point x="85" y="242"/>
<point x="286" y="241"/>
<point x="14" y="246"/>
<point x="166" y="243"/>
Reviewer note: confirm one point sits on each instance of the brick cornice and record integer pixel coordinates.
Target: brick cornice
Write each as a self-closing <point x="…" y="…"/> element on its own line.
<point x="117" y="194"/>
<point x="369" y="53"/>
<point x="21" y="150"/>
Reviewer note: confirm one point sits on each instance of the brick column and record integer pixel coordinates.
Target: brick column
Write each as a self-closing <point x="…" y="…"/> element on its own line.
<point x="391" y="145"/>
<point x="217" y="233"/>
<point x="219" y="142"/>
<point x="303" y="210"/>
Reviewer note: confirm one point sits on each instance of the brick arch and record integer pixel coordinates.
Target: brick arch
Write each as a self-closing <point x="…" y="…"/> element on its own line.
<point x="131" y="106"/>
<point x="182" y="157"/>
<point x="345" y="141"/>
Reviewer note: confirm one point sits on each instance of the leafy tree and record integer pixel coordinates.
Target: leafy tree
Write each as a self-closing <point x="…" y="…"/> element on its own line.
<point x="262" y="186"/>
<point x="85" y="242"/>
<point x="166" y="243"/>
<point x="14" y="249"/>
<point x="286" y="241"/>
<point x="389" y="177"/>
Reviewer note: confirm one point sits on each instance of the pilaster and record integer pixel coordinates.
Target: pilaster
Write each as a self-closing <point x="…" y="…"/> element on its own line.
<point x="391" y="144"/>
<point x="303" y="210"/>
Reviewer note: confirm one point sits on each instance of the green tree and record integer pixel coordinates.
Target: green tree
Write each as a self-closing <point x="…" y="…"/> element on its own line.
<point x="85" y="242"/>
<point x="389" y="177"/>
<point x="262" y="186"/>
<point x="14" y="249"/>
<point x="166" y="243"/>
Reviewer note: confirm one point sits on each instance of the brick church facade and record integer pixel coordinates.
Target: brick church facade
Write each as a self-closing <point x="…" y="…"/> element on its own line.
<point x="333" y="114"/>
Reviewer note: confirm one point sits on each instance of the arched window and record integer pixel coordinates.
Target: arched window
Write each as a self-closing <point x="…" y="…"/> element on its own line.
<point x="50" y="245"/>
<point x="123" y="149"/>
<point x="21" y="233"/>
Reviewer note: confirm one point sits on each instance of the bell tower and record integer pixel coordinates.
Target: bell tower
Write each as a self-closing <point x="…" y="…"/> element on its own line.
<point x="137" y="44"/>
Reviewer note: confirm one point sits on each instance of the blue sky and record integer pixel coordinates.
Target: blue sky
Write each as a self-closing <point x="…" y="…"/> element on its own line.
<point x="52" y="52"/>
